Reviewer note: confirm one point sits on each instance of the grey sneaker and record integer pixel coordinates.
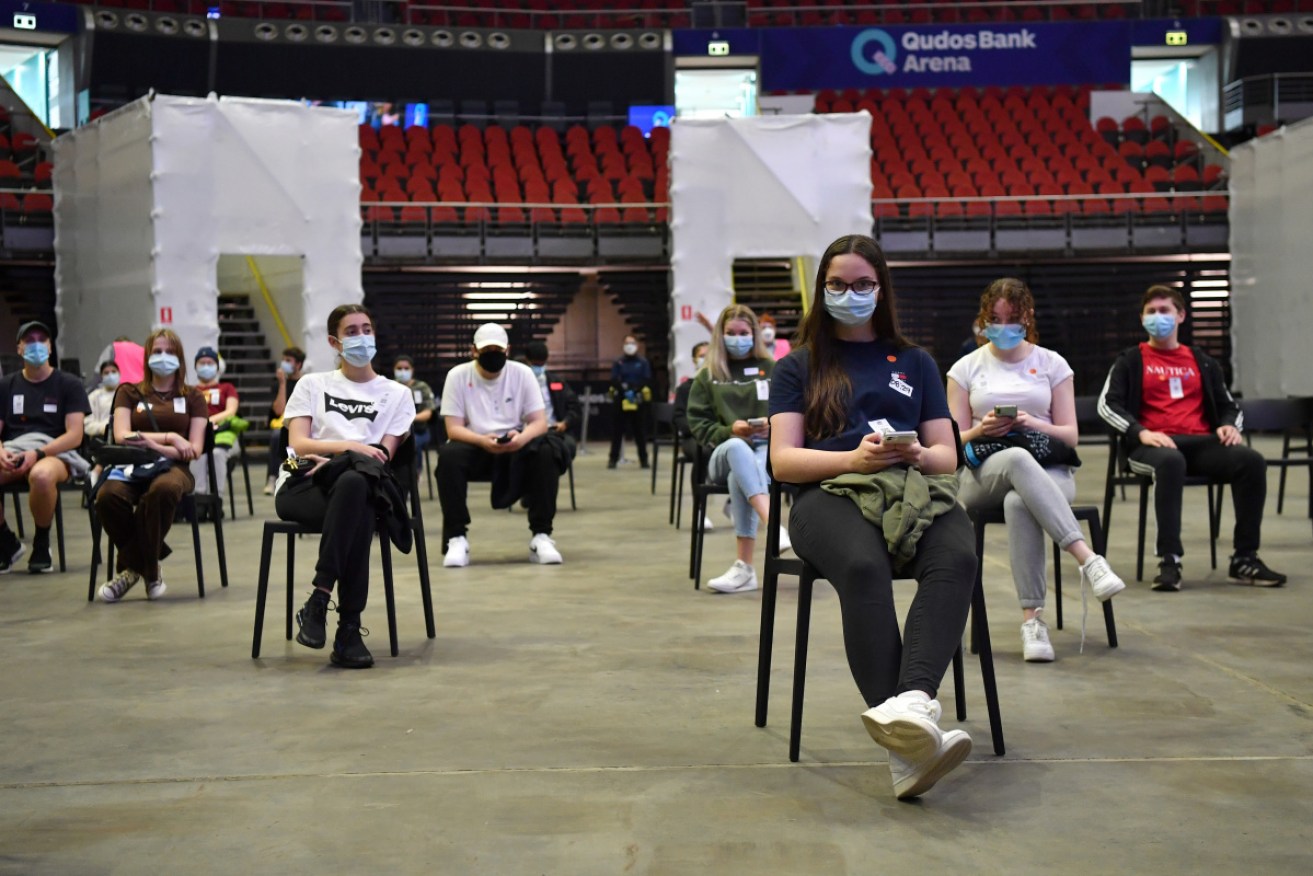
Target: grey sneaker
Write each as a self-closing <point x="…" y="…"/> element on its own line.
<point x="119" y="585"/>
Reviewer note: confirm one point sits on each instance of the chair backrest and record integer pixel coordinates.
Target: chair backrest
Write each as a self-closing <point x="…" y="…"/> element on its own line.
<point x="1276" y="414"/>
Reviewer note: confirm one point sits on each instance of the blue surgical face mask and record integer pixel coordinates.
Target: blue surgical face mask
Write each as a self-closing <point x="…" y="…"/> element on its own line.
<point x="738" y="346"/>
<point x="358" y="350"/>
<point x="539" y="370"/>
<point x="110" y="381"/>
<point x="1159" y="325"/>
<point x="163" y="364"/>
<point x="1005" y="336"/>
<point x="207" y="372"/>
<point x="403" y="374"/>
<point x="288" y="367"/>
<point x="850" y="308"/>
<point x="36" y="353"/>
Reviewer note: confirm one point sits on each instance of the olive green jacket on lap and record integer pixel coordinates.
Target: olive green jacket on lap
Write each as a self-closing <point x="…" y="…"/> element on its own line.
<point x="714" y="405"/>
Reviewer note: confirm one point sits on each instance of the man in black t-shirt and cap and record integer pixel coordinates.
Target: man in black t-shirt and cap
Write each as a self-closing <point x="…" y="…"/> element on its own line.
<point x="41" y="414"/>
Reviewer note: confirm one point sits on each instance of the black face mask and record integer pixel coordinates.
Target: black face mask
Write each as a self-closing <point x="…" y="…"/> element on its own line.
<point x="492" y="360"/>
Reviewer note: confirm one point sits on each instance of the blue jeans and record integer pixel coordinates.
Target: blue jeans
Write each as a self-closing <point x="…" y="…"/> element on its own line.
<point x="743" y="467"/>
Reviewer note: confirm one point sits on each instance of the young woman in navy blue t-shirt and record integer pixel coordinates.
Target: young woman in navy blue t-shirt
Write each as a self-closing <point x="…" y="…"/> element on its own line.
<point x="852" y="380"/>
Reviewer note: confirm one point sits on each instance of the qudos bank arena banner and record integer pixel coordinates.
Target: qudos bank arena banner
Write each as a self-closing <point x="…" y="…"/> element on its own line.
<point x="946" y="55"/>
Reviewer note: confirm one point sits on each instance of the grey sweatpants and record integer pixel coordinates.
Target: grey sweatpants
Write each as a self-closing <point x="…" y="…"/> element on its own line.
<point x="1035" y="500"/>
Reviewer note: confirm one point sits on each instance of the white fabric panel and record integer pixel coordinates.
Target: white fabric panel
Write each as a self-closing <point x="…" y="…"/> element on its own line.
<point x="761" y="187"/>
<point x="209" y="176"/>
<point x="103" y="233"/>
<point x="1271" y="310"/>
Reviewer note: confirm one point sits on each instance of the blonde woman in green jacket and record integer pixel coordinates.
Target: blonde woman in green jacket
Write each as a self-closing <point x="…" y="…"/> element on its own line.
<point x="727" y="410"/>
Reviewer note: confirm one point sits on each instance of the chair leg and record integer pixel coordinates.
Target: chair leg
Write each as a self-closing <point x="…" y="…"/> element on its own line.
<point x="1057" y="581"/>
<point x="1099" y="539"/>
<point x="1215" y="519"/>
<point x="18" y="515"/>
<point x="981" y="626"/>
<point x="766" y="641"/>
<point x="805" y="583"/>
<point x="428" y="474"/>
<point x="656" y="454"/>
<point x="261" y="591"/>
<point x="425" y="592"/>
<point x="232" y="497"/>
<point x="695" y="542"/>
<point x="959" y="684"/>
<point x="980" y="577"/>
<point x="246" y="476"/>
<point x="1281" y="481"/>
<point x="196" y="547"/>
<point x="1144" y="519"/>
<point x="59" y="532"/>
<point x="218" y="540"/>
<point x="390" y="596"/>
<point x="95" y="552"/>
<point x="574" y="506"/>
<point x="291" y="582"/>
<point x="679" y="498"/>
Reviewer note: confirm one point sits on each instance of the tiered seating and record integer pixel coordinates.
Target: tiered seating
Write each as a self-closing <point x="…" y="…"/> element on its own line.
<point x="1167" y="163"/>
<point x="23" y="166"/>
<point x="511" y="177"/>
<point x="995" y="143"/>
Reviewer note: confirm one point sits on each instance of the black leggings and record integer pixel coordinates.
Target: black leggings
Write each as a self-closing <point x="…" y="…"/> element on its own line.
<point x="850" y="552"/>
<point x="345" y="516"/>
<point x="1242" y="467"/>
<point x="633" y="422"/>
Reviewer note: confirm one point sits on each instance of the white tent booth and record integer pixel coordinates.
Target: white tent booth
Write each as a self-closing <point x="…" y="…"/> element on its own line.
<point x="1271" y="309"/>
<point x="150" y="197"/>
<point x="759" y="187"/>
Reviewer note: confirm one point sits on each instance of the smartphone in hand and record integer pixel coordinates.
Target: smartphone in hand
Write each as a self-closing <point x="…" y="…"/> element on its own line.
<point x="1009" y="411"/>
<point x="900" y="438"/>
<point x="504" y="439"/>
<point x="757" y="422"/>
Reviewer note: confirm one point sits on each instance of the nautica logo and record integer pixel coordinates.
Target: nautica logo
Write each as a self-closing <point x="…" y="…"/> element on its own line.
<point x="350" y="408"/>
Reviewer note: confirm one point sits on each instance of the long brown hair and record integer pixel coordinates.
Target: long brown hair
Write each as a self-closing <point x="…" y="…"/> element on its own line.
<point x="1017" y="294"/>
<point x="717" y="356"/>
<point x="146" y="387"/>
<point x="829" y="388"/>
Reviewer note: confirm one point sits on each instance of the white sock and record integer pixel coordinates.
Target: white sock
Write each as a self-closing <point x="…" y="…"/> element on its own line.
<point x="916" y="695"/>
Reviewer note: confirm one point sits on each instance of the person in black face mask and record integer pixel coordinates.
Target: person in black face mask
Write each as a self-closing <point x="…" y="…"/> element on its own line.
<point x="494" y="413"/>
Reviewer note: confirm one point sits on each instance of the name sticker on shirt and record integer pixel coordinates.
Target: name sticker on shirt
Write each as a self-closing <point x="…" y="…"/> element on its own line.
<point x="180" y="406"/>
<point x="748" y="372"/>
<point x="763" y="390"/>
<point x="899" y="383"/>
<point x="1175" y="388"/>
<point x="18" y="404"/>
<point x="417" y="395"/>
<point x="214" y="396"/>
<point x="50" y="407"/>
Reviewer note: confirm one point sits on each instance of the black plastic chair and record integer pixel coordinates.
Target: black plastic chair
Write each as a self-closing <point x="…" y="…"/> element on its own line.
<point x="776" y="565"/>
<point x="1292" y="418"/>
<point x="188" y="509"/>
<point x="1121" y="474"/>
<point x="702" y="491"/>
<point x="663" y="435"/>
<point x="402" y="464"/>
<point x="1089" y="514"/>
<point x="233" y="462"/>
<point x="18" y="488"/>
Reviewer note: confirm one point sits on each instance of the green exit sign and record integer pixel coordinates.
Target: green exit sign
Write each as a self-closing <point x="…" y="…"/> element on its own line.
<point x="718" y="47"/>
<point x="1177" y="38"/>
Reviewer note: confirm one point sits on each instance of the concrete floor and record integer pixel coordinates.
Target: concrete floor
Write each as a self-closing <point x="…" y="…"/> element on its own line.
<point x="596" y="717"/>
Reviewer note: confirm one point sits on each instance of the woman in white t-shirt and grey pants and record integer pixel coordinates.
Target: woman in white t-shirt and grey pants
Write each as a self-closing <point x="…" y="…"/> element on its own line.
<point x="1012" y="369"/>
<point x="350" y="410"/>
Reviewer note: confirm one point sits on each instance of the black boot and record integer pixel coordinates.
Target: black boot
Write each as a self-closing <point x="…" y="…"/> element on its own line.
<point x="312" y="621"/>
<point x="349" y="649"/>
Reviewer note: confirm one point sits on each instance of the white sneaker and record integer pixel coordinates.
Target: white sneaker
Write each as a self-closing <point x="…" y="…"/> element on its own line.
<point x="1035" y="645"/>
<point x="914" y="778"/>
<point x="155" y="589"/>
<point x="785" y="544"/>
<point x="269" y="485"/>
<point x="707" y="525"/>
<point x="739" y="579"/>
<point x="1104" y="582"/>
<point x="119" y="585"/>
<point x="907" y="725"/>
<point x="543" y="550"/>
<point x="458" y="552"/>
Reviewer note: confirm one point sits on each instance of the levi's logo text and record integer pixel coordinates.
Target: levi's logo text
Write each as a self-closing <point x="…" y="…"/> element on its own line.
<point x="351" y="408"/>
<point x="875" y="52"/>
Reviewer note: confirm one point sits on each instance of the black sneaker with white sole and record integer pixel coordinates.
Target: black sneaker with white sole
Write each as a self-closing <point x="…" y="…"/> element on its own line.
<point x="1169" y="576"/>
<point x="40" y="562"/>
<point x="1249" y="569"/>
<point x="11" y="551"/>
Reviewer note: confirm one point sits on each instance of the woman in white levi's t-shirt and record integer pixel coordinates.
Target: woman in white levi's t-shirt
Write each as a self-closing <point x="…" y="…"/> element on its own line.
<point x="350" y="410"/>
<point x="1011" y="369"/>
